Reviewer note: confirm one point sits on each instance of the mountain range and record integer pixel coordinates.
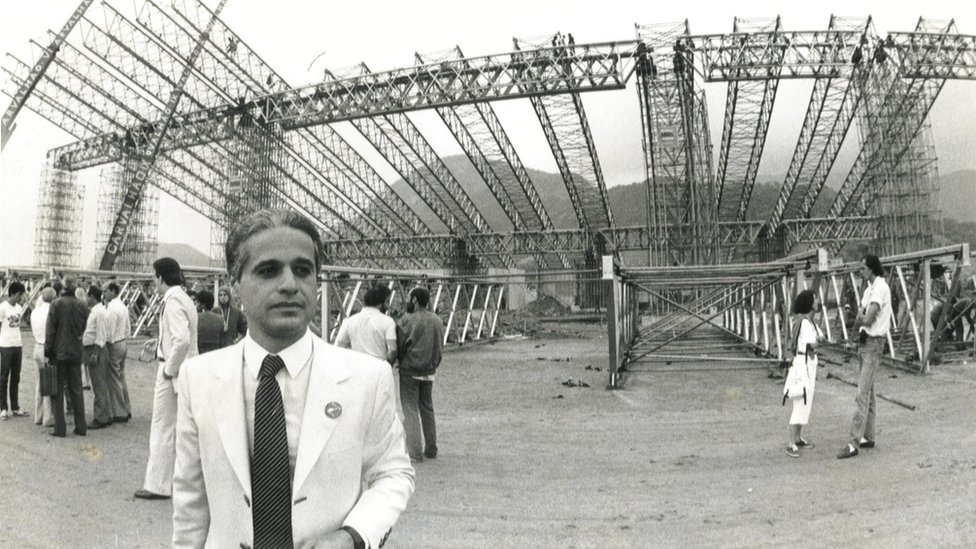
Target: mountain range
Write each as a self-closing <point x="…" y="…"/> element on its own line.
<point x="956" y="198"/>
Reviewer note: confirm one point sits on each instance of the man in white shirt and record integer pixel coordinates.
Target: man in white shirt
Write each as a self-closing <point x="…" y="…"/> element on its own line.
<point x="873" y="321"/>
<point x="95" y="340"/>
<point x="282" y="439"/>
<point x="177" y="342"/>
<point x="120" y="326"/>
<point x="11" y="351"/>
<point x="43" y="413"/>
<point x="371" y="331"/>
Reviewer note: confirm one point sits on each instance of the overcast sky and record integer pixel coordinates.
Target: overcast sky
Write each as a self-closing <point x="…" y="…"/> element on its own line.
<point x="300" y="38"/>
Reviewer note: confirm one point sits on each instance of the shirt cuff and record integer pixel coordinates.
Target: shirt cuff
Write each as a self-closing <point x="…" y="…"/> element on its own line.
<point x="357" y="540"/>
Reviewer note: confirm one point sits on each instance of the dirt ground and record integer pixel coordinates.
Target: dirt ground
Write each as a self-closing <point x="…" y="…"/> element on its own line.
<point x="675" y="459"/>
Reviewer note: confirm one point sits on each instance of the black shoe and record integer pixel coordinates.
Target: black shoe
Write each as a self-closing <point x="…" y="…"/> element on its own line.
<point x="142" y="493"/>
<point x="430" y="455"/>
<point x="81" y="433"/>
<point x="53" y="434"/>
<point x="804" y="444"/>
<point x="866" y="444"/>
<point x="98" y="425"/>
<point x="849" y="451"/>
<point x="120" y="419"/>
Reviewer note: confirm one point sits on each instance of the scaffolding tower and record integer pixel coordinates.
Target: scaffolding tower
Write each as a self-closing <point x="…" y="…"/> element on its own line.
<point x="57" y="236"/>
<point x="141" y="245"/>
<point x="250" y="179"/>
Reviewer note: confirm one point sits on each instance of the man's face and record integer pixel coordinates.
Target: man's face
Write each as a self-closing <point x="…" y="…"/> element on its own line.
<point x="17" y="298"/>
<point x="109" y="295"/>
<point x="863" y="271"/>
<point x="277" y="284"/>
<point x="159" y="285"/>
<point x="223" y="298"/>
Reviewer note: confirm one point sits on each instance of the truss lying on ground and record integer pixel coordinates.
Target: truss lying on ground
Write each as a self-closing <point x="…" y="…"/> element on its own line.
<point x="741" y="313"/>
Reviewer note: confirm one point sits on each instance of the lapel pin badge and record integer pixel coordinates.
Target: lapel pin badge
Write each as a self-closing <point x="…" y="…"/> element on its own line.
<point x="333" y="409"/>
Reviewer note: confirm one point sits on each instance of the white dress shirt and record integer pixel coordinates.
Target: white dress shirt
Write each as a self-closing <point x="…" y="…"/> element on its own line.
<point x="119" y="324"/>
<point x="877" y="292"/>
<point x="96" y="330"/>
<point x="39" y="322"/>
<point x="293" y="382"/>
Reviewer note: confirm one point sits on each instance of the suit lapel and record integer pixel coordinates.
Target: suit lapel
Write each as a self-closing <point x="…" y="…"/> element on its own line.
<point x="317" y="427"/>
<point x="227" y="401"/>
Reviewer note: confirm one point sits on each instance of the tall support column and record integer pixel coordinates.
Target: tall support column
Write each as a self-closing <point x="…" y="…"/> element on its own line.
<point x="142" y="243"/>
<point x="250" y="184"/>
<point x="60" y="205"/>
<point x="677" y="150"/>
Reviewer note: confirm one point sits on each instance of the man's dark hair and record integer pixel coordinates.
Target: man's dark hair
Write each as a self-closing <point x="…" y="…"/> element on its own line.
<point x="376" y="296"/>
<point x="872" y="262"/>
<point x="235" y="252"/>
<point x="169" y="270"/>
<point x="114" y="288"/>
<point x="16" y="288"/>
<point x="422" y="295"/>
<point x="803" y="302"/>
<point x="95" y="292"/>
<point x="206" y="299"/>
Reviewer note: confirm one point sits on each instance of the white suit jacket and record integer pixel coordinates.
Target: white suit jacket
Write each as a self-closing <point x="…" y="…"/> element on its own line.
<point x="177" y="330"/>
<point x="351" y="470"/>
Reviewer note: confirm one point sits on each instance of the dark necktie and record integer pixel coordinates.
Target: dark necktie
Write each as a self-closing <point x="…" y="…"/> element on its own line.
<point x="270" y="475"/>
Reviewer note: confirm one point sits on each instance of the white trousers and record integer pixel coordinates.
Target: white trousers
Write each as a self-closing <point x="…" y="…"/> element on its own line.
<point x="43" y="413"/>
<point x="162" y="437"/>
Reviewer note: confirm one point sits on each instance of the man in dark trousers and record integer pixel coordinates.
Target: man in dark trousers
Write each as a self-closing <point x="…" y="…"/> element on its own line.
<point x="422" y="333"/>
<point x="62" y="346"/>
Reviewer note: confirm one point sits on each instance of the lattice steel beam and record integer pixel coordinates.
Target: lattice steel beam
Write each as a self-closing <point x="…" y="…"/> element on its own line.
<point x="149" y="60"/>
<point x="749" y="56"/>
<point x="19" y="97"/>
<point x="169" y="174"/>
<point x="235" y="68"/>
<point x="748" y="107"/>
<point x="830" y="112"/>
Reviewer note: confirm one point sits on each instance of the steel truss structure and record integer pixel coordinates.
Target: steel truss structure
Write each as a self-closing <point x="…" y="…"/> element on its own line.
<point x="739" y="314"/>
<point x="181" y="103"/>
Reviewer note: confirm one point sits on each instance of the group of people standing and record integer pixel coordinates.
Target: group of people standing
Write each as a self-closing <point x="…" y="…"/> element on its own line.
<point x="74" y="331"/>
<point x="871" y="326"/>
<point x="415" y="345"/>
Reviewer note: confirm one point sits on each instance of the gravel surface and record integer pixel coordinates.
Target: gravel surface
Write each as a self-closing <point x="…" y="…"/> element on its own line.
<point x="529" y="458"/>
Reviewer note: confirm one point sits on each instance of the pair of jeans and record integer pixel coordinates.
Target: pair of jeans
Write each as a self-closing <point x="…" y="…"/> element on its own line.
<point x="69" y="376"/>
<point x="10" y="365"/>
<point x="863" y="425"/>
<point x="416" y="397"/>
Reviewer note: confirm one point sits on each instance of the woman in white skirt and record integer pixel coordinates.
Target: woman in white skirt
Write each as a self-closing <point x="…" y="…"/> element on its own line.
<point x="805" y="305"/>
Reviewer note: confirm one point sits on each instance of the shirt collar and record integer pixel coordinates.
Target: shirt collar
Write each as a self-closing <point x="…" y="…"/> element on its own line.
<point x="171" y="291"/>
<point x="98" y="306"/>
<point x="296" y="355"/>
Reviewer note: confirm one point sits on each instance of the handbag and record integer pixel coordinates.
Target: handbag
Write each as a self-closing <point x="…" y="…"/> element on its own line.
<point x="798" y="377"/>
<point x="797" y="380"/>
<point x="49" y="379"/>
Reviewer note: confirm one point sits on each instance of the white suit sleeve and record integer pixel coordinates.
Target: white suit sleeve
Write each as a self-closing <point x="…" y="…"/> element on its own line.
<point x="387" y="472"/>
<point x="179" y="331"/>
<point x="191" y="509"/>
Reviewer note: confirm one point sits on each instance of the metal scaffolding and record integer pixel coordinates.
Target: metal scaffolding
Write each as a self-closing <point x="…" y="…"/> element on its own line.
<point x="57" y="235"/>
<point x="142" y="243"/>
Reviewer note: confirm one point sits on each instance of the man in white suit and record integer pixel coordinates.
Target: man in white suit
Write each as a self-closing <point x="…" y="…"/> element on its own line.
<point x="177" y="342"/>
<point x="348" y="477"/>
